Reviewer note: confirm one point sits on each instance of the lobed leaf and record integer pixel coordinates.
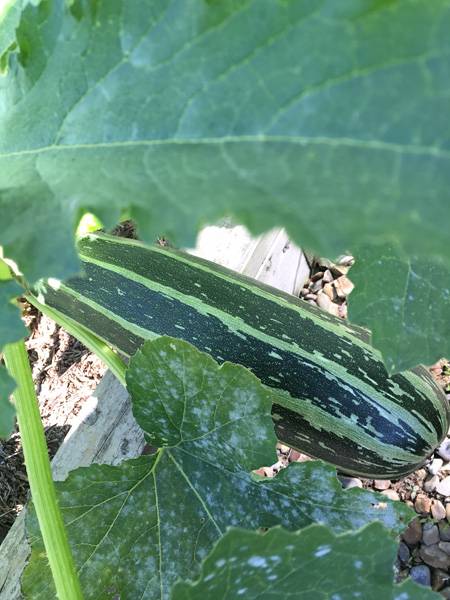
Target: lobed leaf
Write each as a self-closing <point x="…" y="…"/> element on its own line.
<point x="312" y="564"/>
<point x="7" y="411"/>
<point x="11" y="325"/>
<point x="11" y="329"/>
<point x="138" y="527"/>
<point x="405" y="299"/>
<point x="10" y="13"/>
<point x="329" y="118"/>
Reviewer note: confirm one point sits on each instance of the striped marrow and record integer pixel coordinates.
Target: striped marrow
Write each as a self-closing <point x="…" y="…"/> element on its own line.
<point x="334" y="399"/>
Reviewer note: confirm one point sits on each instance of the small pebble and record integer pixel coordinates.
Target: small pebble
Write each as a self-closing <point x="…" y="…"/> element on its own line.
<point x="434" y="556"/>
<point x="333" y="309"/>
<point x="421" y="474"/>
<point x="283" y="450"/>
<point x="439" y="579"/>
<point x="328" y="289"/>
<point x="403" y="553"/>
<point x="324" y="263"/>
<point x="445" y="546"/>
<point x="316" y="286"/>
<point x="415" y="491"/>
<point x="435" y="466"/>
<point x="323" y="301"/>
<point x="342" y="310"/>
<point x="422" y="504"/>
<point x="447" y="511"/>
<point x="346" y="260"/>
<point x="391" y="494"/>
<point x="421" y="574"/>
<point x="311" y="297"/>
<point x="443" y="487"/>
<point x="444" y="450"/>
<point x="413" y="534"/>
<point x="350" y="482"/>
<point x="381" y="484"/>
<point x="430" y="483"/>
<point x="339" y="270"/>
<point x="328" y="276"/>
<point x="343" y="286"/>
<point x="430" y="534"/>
<point x="437" y="510"/>
<point x="317" y="276"/>
<point x="444" y="531"/>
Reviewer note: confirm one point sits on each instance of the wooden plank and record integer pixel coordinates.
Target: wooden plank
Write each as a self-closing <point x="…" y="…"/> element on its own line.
<point x="271" y="258"/>
<point x="105" y="430"/>
<point x="275" y="260"/>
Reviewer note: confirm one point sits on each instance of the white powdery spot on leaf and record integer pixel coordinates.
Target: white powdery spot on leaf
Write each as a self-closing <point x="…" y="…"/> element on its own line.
<point x="322" y="551"/>
<point x="258" y="562"/>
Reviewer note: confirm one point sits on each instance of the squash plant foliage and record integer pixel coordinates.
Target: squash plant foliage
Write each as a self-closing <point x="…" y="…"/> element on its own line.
<point x="330" y="118"/>
<point x="327" y="117"/>
<point x="137" y="528"/>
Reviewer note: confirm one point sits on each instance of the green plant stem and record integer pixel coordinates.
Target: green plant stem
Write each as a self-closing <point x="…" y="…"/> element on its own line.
<point x="39" y="475"/>
<point x="111" y="359"/>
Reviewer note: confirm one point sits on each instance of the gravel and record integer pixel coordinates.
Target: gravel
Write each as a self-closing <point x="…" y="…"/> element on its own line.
<point x="403" y="553"/>
<point x="443" y="487"/>
<point x="413" y="534"/>
<point x="434" y="556"/>
<point x="350" y="482"/>
<point x="430" y="534"/>
<point x="430" y="483"/>
<point x="421" y="574"/>
<point x="437" y="510"/>
<point x="435" y="466"/>
<point x="444" y="531"/>
<point x="381" y="484"/>
<point x="444" y="450"/>
<point x="422" y="504"/>
<point x="391" y="494"/>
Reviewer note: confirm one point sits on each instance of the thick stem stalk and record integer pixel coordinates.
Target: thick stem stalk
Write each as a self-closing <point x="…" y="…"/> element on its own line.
<point x="111" y="359"/>
<point x="39" y="475"/>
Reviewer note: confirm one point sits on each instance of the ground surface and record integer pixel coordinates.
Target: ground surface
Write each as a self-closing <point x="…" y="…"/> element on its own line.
<point x="65" y="374"/>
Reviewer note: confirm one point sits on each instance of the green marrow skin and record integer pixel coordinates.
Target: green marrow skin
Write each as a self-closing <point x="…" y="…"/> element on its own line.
<point x="333" y="397"/>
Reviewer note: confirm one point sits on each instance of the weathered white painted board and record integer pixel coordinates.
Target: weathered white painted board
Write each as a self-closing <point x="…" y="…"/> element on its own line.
<point x="271" y="258"/>
<point x="278" y="262"/>
<point x="105" y="430"/>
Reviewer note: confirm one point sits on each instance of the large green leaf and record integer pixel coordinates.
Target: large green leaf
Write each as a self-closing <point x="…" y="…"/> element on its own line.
<point x="6" y="408"/>
<point x="406" y="300"/>
<point x="10" y="12"/>
<point x="11" y="329"/>
<point x="312" y="564"/>
<point x="138" y="527"/>
<point x="329" y="117"/>
<point x="11" y="325"/>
